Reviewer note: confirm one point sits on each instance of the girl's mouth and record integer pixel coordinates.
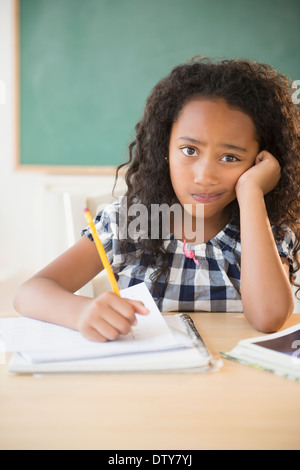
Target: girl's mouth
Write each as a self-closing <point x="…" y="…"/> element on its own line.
<point x="206" y="197"/>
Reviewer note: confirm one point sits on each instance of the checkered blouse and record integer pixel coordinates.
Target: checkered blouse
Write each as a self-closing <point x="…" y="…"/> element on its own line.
<point x="212" y="285"/>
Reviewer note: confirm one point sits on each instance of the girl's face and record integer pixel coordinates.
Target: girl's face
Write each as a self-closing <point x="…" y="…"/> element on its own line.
<point x="211" y="146"/>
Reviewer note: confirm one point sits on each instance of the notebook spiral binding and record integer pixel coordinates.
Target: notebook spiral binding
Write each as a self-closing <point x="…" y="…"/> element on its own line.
<point x="198" y="341"/>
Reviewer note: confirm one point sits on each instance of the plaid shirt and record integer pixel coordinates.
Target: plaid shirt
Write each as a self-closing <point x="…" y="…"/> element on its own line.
<point x="212" y="286"/>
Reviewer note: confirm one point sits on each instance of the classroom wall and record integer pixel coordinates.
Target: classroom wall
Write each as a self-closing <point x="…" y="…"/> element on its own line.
<point x="32" y="220"/>
<point x="31" y="213"/>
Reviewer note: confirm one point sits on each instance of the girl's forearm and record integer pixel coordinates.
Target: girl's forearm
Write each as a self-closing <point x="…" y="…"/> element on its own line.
<point x="265" y="288"/>
<point x="46" y="300"/>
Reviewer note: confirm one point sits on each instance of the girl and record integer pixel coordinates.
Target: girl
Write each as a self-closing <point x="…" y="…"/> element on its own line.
<point x="221" y="135"/>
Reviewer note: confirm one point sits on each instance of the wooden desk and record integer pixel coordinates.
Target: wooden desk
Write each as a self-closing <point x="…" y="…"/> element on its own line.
<point x="236" y="408"/>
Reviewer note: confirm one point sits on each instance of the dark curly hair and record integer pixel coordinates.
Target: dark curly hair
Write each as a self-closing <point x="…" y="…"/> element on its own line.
<point x="255" y="88"/>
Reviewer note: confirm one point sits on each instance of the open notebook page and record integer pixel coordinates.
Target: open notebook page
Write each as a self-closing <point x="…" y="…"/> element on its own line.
<point x="42" y="342"/>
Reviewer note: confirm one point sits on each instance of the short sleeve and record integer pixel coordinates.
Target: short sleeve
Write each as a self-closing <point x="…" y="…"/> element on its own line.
<point x="104" y="229"/>
<point x="285" y="246"/>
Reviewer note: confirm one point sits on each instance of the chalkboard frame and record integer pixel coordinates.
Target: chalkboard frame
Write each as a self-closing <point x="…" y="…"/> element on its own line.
<point x="47" y="169"/>
<point x="282" y="57"/>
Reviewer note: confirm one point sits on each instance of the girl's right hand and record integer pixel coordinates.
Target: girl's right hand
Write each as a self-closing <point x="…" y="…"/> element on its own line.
<point x="263" y="175"/>
<point x="108" y="316"/>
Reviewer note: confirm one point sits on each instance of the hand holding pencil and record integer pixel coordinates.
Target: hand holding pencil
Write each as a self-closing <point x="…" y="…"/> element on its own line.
<point x="109" y="315"/>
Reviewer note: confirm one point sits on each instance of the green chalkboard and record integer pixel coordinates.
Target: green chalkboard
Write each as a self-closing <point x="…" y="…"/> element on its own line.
<point x="86" y="67"/>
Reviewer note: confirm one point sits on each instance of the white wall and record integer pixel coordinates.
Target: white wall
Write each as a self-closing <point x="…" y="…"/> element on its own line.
<point x="32" y="227"/>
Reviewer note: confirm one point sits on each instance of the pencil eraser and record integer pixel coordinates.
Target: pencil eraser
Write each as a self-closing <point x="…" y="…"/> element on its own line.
<point x="86" y="210"/>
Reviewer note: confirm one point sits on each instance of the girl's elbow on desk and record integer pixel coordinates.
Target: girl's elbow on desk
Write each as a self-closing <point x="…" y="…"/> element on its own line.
<point x="271" y="318"/>
<point x="23" y="297"/>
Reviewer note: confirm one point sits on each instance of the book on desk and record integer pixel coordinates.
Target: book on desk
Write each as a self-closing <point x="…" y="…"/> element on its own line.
<point x="278" y="353"/>
<point x="161" y="343"/>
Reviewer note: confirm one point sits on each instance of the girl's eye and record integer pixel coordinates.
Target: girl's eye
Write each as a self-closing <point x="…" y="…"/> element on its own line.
<point x="189" y="151"/>
<point x="230" y="158"/>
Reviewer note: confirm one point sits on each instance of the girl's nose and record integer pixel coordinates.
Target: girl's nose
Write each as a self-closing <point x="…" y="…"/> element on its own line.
<point x="206" y="172"/>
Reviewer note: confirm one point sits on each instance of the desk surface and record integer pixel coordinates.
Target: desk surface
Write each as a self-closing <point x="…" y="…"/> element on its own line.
<point x="236" y="408"/>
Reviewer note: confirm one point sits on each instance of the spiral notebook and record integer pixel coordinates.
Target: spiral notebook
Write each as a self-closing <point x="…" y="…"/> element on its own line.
<point x="159" y="343"/>
<point x="189" y="355"/>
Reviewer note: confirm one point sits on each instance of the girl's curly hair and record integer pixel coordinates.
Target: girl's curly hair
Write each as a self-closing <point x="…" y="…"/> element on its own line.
<point x="255" y="88"/>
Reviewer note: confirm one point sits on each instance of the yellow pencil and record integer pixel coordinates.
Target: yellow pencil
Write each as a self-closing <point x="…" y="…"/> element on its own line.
<point x="103" y="256"/>
<point x="102" y="252"/>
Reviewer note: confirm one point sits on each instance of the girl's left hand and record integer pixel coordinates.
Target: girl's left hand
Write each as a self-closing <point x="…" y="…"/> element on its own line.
<point x="263" y="175"/>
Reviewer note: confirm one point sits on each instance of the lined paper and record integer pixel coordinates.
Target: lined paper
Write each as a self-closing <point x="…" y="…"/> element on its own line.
<point x="39" y="341"/>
